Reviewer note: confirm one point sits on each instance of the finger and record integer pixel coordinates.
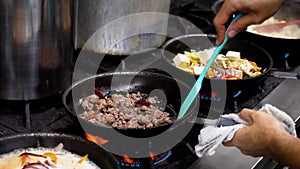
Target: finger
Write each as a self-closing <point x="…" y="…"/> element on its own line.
<point x="220" y="34"/>
<point x="246" y="114"/>
<point x="221" y="19"/>
<point x="247" y="152"/>
<point x="241" y="24"/>
<point x="220" y="29"/>
<point x="228" y="144"/>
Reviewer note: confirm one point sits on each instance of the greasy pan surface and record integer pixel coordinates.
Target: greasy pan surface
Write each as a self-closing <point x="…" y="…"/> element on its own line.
<point x="71" y="143"/>
<point x="173" y="92"/>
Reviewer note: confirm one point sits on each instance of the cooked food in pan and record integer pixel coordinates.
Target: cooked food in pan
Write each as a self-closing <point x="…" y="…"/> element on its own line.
<point x="44" y="158"/>
<point x="290" y="31"/>
<point x="229" y="66"/>
<point x="133" y="110"/>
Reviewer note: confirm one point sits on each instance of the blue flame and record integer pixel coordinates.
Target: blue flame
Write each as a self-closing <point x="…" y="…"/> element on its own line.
<point x="286" y="55"/>
<point x="136" y="164"/>
<point x="205" y="97"/>
<point x="164" y="158"/>
<point x="139" y="164"/>
<point x="237" y="94"/>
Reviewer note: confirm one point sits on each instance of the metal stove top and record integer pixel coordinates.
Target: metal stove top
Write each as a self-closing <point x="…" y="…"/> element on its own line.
<point x="48" y="115"/>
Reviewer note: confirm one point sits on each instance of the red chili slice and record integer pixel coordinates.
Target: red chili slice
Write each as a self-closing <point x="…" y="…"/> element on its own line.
<point x="32" y="154"/>
<point x="91" y="116"/>
<point x="143" y="103"/>
<point x="99" y="93"/>
<point x="230" y="77"/>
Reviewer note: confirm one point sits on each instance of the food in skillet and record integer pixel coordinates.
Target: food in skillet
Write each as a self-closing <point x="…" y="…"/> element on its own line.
<point x="44" y="158"/>
<point x="229" y="66"/>
<point x="131" y="110"/>
<point x="291" y="31"/>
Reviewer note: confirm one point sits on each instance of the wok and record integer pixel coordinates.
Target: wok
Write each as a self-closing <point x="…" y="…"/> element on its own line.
<point x="284" y="51"/>
<point x="247" y="49"/>
<point x="172" y="93"/>
<point x="71" y="143"/>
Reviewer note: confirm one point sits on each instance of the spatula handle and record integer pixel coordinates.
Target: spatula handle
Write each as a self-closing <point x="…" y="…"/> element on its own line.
<point x="197" y="86"/>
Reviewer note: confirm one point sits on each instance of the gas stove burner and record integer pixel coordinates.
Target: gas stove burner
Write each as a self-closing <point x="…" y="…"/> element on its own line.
<point x="178" y="157"/>
<point x="232" y="100"/>
<point x="152" y="161"/>
<point x="49" y="115"/>
<point x="244" y="94"/>
<point x="125" y="161"/>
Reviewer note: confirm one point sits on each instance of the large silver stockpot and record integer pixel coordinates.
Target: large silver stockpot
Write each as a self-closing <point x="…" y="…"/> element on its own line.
<point x="122" y="27"/>
<point x="36" y="47"/>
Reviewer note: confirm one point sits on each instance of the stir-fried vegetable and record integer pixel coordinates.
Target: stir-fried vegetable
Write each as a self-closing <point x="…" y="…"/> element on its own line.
<point x="52" y="156"/>
<point x="229" y="66"/>
<point x="83" y="159"/>
<point x="45" y="160"/>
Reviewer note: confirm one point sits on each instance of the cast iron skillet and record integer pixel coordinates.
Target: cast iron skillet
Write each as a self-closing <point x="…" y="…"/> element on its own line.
<point x="71" y="143"/>
<point x="145" y="82"/>
<point x="248" y="50"/>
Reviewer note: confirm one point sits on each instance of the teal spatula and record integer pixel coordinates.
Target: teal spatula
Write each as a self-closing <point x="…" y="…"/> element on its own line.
<point x="197" y="86"/>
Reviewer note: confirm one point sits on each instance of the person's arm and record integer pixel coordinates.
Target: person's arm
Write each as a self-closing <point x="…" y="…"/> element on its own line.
<point x="265" y="136"/>
<point x="256" y="11"/>
<point x="286" y="150"/>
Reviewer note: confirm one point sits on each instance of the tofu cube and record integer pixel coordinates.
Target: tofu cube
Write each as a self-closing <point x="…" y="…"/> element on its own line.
<point x="238" y="73"/>
<point x="233" y="55"/>
<point x="221" y="57"/>
<point x="198" y="69"/>
<point x="181" y="60"/>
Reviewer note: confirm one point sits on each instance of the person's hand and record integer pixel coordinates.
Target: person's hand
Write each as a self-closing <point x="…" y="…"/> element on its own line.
<point x="256" y="11"/>
<point x="259" y="136"/>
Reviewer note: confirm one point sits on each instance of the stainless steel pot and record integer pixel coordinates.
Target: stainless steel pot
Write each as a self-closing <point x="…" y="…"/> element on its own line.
<point x="36" y="46"/>
<point x="126" y="27"/>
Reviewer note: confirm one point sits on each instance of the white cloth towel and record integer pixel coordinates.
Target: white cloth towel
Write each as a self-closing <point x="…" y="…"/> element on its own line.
<point x="211" y="137"/>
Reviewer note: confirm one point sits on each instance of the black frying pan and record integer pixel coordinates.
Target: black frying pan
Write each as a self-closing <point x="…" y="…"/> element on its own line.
<point x="145" y="82"/>
<point x="200" y="42"/>
<point x="71" y="143"/>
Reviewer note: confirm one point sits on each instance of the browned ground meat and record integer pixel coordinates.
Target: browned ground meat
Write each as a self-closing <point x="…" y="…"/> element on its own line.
<point x="122" y="111"/>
